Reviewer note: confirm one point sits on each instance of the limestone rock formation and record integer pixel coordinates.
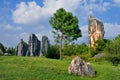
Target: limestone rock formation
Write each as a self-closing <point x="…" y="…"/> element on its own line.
<point x="22" y="48"/>
<point x="1" y="52"/>
<point x="80" y="67"/>
<point x="95" y="30"/>
<point x="45" y="45"/>
<point x="33" y="46"/>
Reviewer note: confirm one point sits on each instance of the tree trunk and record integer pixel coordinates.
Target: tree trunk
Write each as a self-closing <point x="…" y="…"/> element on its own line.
<point x="61" y="38"/>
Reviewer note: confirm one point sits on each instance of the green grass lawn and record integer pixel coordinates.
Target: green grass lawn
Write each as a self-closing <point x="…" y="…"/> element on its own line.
<point x="39" y="68"/>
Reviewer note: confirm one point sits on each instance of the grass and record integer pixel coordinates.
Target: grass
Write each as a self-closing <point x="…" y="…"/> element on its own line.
<point x="39" y="68"/>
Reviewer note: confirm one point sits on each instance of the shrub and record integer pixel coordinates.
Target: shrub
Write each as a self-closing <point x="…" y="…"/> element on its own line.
<point x="11" y="51"/>
<point x="112" y="50"/>
<point x="53" y="52"/>
<point x="92" y="51"/>
<point x="73" y="49"/>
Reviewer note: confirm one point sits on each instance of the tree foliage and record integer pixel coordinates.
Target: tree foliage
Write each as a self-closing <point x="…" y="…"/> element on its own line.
<point x="112" y="50"/>
<point x="73" y="49"/>
<point x="65" y="27"/>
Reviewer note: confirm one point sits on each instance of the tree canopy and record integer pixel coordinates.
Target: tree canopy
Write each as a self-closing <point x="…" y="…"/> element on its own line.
<point x="65" y="27"/>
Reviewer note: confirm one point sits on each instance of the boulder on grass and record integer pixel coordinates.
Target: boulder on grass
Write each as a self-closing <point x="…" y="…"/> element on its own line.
<point x="80" y="67"/>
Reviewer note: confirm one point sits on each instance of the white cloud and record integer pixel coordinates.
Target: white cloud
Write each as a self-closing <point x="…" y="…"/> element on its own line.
<point x="26" y="13"/>
<point x="111" y="30"/>
<point x="117" y="1"/>
<point x="31" y="12"/>
<point x="10" y="27"/>
<point x="23" y="35"/>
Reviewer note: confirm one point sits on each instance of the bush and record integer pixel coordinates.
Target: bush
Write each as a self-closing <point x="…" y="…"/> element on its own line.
<point x="115" y="60"/>
<point x="53" y="52"/>
<point x="92" y="51"/>
<point x="99" y="47"/>
<point x="11" y="51"/>
<point x="112" y="50"/>
<point x="73" y="49"/>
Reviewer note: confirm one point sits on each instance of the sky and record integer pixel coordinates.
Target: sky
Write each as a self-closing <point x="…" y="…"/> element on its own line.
<point x="19" y="18"/>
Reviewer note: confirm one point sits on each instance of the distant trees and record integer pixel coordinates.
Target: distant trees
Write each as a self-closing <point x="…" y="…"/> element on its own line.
<point x="75" y="49"/>
<point x="65" y="27"/>
<point x="8" y="51"/>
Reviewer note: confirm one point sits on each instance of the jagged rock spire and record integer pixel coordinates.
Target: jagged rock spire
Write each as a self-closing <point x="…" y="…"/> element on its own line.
<point x="22" y="48"/>
<point x="95" y="30"/>
<point x="34" y="46"/>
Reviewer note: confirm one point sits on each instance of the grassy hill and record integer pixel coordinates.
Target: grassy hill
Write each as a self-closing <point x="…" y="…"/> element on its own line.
<point x="38" y="68"/>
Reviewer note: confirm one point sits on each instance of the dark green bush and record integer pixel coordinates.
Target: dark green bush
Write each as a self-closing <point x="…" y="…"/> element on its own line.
<point x="11" y="51"/>
<point x="115" y="60"/>
<point x="92" y="51"/>
<point x="53" y="52"/>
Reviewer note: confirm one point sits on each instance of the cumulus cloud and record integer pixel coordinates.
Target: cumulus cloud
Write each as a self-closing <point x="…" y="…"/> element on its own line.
<point x="26" y="13"/>
<point x="10" y="27"/>
<point x="31" y="12"/>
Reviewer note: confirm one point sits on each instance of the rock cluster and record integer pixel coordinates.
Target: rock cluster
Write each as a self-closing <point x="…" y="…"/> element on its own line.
<point x="45" y="45"/>
<point x="33" y="48"/>
<point x="1" y="52"/>
<point x="95" y="30"/>
<point x="80" y="67"/>
<point x="22" y="48"/>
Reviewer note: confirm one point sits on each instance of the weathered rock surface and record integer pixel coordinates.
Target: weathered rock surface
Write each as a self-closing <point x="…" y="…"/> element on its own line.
<point x="1" y="52"/>
<point x="33" y="46"/>
<point x="45" y="45"/>
<point x="95" y="30"/>
<point x="99" y="55"/>
<point x="22" y="48"/>
<point x="80" y="67"/>
<point x="7" y="54"/>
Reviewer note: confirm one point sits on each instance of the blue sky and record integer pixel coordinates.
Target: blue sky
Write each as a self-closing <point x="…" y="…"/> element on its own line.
<point x="19" y="18"/>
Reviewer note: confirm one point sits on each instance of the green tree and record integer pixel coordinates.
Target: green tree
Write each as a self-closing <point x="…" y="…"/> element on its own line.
<point x="65" y="27"/>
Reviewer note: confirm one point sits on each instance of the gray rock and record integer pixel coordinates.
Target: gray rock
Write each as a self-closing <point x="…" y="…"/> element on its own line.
<point x="1" y="52"/>
<point x="99" y="55"/>
<point x="7" y="54"/>
<point x="95" y="30"/>
<point x="22" y="48"/>
<point x="33" y="46"/>
<point x="80" y="67"/>
<point x="45" y="45"/>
